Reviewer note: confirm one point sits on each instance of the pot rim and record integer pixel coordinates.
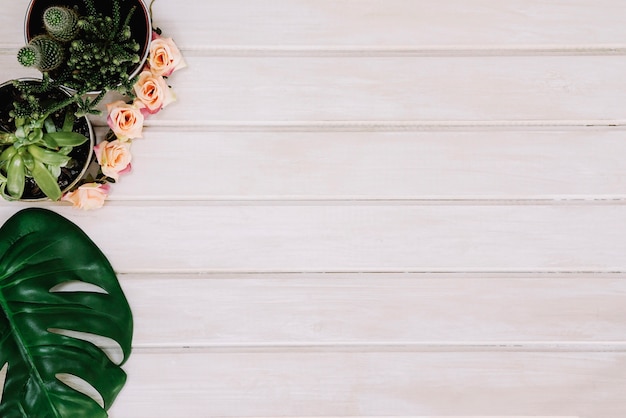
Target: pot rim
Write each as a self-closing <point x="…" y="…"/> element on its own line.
<point x="92" y="143"/>
<point x="146" y="41"/>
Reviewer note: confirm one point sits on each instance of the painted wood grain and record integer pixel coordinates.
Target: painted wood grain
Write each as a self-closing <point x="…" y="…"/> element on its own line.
<point x="395" y="23"/>
<point x="301" y="127"/>
<point x="260" y="90"/>
<point x="480" y="164"/>
<point x="502" y="90"/>
<point x="339" y="237"/>
<point x="387" y="23"/>
<point x="432" y="165"/>
<point x="578" y="90"/>
<point x="380" y="310"/>
<point x="11" y="69"/>
<point x="12" y="27"/>
<point x="200" y="384"/>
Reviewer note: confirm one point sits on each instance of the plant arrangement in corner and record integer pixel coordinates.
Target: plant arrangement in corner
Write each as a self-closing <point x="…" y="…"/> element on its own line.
<point x="45" y="317"/>
<point x="87" y="49"/>
<point x="92" y="53"/>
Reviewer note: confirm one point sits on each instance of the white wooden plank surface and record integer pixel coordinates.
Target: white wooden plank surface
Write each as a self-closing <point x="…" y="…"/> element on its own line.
<point x="288" y="89"/>
<point x="261" y="91"/>
<point x="481" y="164"/>
<point x="258" y="90"/>
<point x="300" y="310"/>
<point x="204" y="384"/>
<point x="302" y="127"/>
<point x="389" y="23"/>
<point x="345" y="237"/>
<point x="364" y="23"/>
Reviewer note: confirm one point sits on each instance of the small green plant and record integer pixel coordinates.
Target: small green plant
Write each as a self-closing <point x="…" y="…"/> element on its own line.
<point x="97" y="51"/>
<point x="61" y="23"/>
<point x="42" y="52"/>
<point x="39" y="146"/>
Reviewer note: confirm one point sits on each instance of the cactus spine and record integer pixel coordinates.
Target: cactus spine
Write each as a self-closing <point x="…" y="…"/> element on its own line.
<point x="89" y="52"/>
<point x="42" y="52"/>
<point x="61" y="23"/>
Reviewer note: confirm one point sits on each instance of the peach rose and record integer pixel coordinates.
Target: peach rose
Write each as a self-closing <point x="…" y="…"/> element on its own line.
<point x="114" y="157"/>
<point x="153" y="92"/>
<point x="88" y="196"/>
<point x="126" y="120"/>
<point x="164" y="57"/>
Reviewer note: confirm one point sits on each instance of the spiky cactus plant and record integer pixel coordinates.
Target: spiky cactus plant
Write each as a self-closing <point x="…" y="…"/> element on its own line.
<point x="100" y="52"/>
<point x="104" y="54"/>
<point x="61" y="23"/>
<point x="43" y="53"/>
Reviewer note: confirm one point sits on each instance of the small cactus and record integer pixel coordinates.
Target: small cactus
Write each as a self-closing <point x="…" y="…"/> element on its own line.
<point x="28" y="56"/>
<point x="61" y="23"/>
<point x="42" y="52"/>
<point x="91" y="51"/>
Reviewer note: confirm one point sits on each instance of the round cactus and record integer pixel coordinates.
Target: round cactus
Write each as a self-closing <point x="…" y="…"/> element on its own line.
<point x="42" y="52"/>
<point x="61" y="23"/>
<point x="28" y="56"/>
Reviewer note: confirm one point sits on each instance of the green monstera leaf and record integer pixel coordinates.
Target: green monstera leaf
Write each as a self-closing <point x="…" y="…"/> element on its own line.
<point x="44" y="319"/>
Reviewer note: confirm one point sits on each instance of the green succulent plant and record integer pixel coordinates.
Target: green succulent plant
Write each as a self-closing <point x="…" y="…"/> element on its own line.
<point x="61" y="23"/>
<point x="37" y="148"/>
<point x="42" y="52"/>
<point x="99" y="53"/>
<point x="104" y="54"/>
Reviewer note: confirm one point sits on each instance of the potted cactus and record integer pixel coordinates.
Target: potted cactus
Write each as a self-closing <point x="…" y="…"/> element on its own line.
<point x="87" y="46"/>
<point x="44" y="148"/>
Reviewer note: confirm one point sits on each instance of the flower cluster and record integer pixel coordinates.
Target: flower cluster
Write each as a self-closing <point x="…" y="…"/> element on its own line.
<point x="126" y="119"/>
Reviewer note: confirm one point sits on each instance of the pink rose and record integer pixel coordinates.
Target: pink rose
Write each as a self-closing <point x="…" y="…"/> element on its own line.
<point x="153" y="92"/>
<point x="88" y="196"/>
<point x="165" y="57"/>
<point x="126" y="120"/>
<point x="114" y="157"/>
